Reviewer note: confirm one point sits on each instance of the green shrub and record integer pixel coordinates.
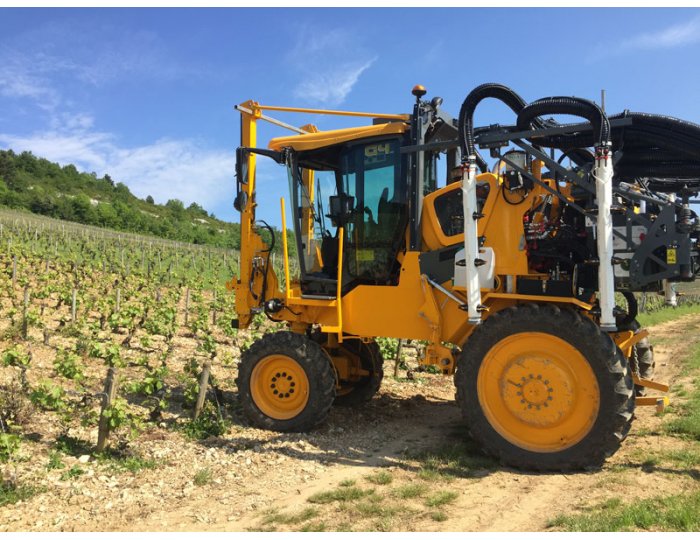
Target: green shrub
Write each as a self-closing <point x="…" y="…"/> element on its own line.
<point x="9" y="446"/>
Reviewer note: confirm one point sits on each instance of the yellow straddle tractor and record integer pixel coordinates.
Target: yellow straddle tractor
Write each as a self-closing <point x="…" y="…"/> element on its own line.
<point x="510" y="272"/>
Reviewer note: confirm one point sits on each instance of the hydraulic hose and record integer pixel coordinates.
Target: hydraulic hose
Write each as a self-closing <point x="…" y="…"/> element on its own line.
<point x="580" y="156"/>
<point x="466" y="116"/>
<point x="567" y="105"/>
<point x="662" y="148"/>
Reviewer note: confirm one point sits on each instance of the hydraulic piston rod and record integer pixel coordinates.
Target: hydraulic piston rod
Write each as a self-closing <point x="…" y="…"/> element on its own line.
<point x="471" y="239"/>
<point x="603" y="174"/>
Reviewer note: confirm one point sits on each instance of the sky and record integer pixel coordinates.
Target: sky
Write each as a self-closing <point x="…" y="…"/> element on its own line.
<point x="147" y="95"/>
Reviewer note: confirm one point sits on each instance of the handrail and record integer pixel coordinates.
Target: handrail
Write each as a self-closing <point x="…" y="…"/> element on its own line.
<point x="254" y="109"/>
<point x="335" y="112"/>
<point x="339" y="285"/>
<point x="286" y="252"/>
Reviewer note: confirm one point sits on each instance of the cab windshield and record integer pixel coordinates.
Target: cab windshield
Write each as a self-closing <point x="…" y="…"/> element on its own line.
<point x="358" y="186"/>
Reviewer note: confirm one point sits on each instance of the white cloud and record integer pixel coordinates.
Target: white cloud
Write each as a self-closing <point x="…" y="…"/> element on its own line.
<point x="332" y="86"/>
<point x="19" y="79"/>
<point x="33" y="68"/>
<point x="176" y="169"/>
<point x="51" y="66"/>
<point x="676" y="35"/>
<point x="166" y="169"/>
<point x="329" y="65"/>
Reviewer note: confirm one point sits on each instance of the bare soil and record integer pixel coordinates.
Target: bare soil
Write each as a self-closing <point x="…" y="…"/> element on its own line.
<point x="250" y="472"/>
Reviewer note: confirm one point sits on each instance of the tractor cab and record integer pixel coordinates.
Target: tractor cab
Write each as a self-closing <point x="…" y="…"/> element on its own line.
<point x="357" y="188"/>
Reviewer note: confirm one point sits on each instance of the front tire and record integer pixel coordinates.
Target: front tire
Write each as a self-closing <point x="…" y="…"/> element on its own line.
<point x="543" y="388"/>
<point x="285" y="383"/>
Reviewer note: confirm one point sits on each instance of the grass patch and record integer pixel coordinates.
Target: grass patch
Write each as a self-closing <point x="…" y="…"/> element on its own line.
<point x="459" y="459"/>
<point x="275" y="517"/>
<point x="117" y="461"/>
<point x="666" y="314"/>
<point x="72" y="446"/>
<point x="614" y="478"/>
<point x="55" y="461"/>
<point x="687" y="457"/>
<point x="133" y="464"/>
<point x="380" y="478"/>
<point x="11" y="494"/>
<point x="347" y="483"/>
<point x="680" y="392"/>
<point x="315" y="526"/>
<point x="440" y="498"/>
<point x="687" y="424"/>
<point x="375" y="506"/>
<point x="203" y="477"/>
<point x="438" y="516"/>
<point x="430" y="474"/>
<point x="384" y="524"/>
<point x="410" y="491"/>
<point x="209" y="424"/>
<point x="72" y="473"/>
<point x="9" y="446"/>
<point x="342" y="494"/>
<point x="674" y="513"/>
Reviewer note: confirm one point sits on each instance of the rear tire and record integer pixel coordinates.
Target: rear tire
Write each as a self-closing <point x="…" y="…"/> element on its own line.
<point x="285" y="382"/>
<point x="356" y="393"/>
<point x="543" y="388"/>
<point x="642" y="360"/>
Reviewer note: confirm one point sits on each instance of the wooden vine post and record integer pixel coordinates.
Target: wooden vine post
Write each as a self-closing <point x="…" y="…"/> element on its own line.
<point x="110" y="393"/>
<point x="203" y="385"/>
<point x="187" y="306"/>
<point x="25" y="309"/>
<point x="397" y="360"/>
<point x="73" y="304"/>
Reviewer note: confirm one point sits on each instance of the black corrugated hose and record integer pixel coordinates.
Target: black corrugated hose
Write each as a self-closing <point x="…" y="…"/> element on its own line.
<point x="662" y="148"/>
<point x="567" y="105"/>
<point x="466" y="116"/>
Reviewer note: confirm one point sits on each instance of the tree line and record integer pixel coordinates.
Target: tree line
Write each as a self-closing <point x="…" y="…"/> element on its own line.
<point x="42" y="187"/>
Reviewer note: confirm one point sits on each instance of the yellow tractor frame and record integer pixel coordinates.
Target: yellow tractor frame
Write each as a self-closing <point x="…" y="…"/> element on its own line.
<point x="414" y="309"/>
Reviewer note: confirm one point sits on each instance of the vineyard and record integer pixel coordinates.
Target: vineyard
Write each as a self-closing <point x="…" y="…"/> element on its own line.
<point x="117" y="377"/>
<point x="105" y="331"/>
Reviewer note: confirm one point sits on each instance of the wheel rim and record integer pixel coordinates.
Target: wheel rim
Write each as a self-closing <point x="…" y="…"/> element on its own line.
<point x="279" y="387"/>
<point x="538" y="392"/>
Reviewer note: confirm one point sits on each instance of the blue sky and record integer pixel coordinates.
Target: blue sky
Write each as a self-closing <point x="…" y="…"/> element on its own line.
<point x="147" y="95"/>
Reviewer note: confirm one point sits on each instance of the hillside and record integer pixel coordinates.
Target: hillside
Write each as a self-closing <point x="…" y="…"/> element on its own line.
<point x="42" y="187"/>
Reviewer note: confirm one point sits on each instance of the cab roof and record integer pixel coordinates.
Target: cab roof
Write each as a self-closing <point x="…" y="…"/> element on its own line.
<point x="321" y="139"/>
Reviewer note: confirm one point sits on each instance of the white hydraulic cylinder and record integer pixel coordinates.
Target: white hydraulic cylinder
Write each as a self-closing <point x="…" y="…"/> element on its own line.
<point x="603" y="174"/>
<point x="471" y="240"/>
<point x="670" y="294"/>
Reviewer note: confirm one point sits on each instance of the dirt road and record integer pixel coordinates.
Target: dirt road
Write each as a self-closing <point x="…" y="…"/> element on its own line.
<point x="233" y="482"/>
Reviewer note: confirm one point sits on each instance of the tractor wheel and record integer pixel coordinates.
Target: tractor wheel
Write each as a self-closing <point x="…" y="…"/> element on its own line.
<point x="543" y="388"/>
<point x="642" y="359"/>
<point x="369" y="358"/>
<point x="643" y="363"/>
<point x="285" y="382"/>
